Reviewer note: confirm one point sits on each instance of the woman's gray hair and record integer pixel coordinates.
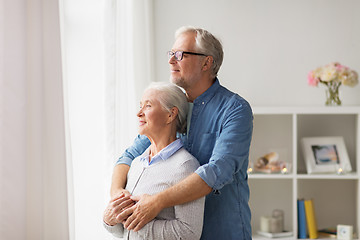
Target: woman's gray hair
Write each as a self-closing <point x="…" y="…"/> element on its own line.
<point x="206" y="43"/>
<point x="171" y="96"/>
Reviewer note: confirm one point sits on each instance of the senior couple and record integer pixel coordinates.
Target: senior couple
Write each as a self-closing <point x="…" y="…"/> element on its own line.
<point x="185" y="176"/>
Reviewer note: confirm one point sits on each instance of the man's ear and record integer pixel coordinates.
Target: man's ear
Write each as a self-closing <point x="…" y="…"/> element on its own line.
<point x="208" y="62"/>
<point x="172" y="114"/>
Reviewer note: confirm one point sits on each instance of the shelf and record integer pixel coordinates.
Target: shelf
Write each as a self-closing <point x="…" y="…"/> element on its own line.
<point x="336" y="196"/>
<point x="350" y="176"/>
<point x="258" y="237"/>
<point x="306" y="110"/>
<point x="347" y="176"/>
<point x="270" y="176"/>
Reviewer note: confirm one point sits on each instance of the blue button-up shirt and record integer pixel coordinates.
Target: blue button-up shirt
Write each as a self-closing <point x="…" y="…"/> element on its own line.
<point x="219" y="137"/>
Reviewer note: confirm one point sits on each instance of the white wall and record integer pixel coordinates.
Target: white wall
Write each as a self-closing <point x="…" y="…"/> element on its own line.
<point x="269" y="46"/>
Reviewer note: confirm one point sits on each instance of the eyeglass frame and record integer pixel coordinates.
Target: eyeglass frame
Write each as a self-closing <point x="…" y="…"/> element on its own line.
<point x="173" y="54"/>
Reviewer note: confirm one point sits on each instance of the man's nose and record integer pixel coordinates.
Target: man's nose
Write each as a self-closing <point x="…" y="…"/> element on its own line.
<point x="172" y="59"/>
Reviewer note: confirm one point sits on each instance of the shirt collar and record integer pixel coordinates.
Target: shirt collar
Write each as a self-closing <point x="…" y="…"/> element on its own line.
<point x="208" y="94"/>
<point x="164" y="154"/>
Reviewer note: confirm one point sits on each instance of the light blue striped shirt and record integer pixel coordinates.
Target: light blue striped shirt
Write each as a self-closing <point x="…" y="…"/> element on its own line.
<point x="164" y="154"/>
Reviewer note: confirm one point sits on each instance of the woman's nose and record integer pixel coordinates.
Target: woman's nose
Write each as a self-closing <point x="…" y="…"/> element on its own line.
<point x="140" y="113"/>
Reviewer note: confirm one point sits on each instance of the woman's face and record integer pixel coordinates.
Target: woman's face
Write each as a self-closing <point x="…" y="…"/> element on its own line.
<point x="152" y="116"/>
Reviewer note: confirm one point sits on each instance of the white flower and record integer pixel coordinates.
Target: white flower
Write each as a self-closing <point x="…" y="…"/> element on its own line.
<point x="349" y="78"/>
<point x="328" y="73"/>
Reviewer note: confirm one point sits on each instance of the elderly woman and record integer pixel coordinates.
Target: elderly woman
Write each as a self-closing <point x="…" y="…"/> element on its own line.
<point x="162" y="114"/>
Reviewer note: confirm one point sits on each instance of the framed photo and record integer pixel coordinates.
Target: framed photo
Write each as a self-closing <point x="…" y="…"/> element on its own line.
<point x="325" y="154"/>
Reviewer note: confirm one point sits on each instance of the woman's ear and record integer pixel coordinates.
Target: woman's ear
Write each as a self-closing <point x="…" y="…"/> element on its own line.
<point x="172" y="114"/>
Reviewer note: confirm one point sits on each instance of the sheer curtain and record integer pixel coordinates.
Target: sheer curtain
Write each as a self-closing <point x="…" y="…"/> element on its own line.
<point x="129" y="67"/>
<point x="106" y="45"/>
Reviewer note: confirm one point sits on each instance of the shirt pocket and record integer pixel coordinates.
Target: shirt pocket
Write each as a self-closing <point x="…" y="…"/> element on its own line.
<point x="206" y="146"/>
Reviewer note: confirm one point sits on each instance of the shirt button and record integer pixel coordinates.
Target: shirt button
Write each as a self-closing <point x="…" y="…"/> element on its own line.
<point x="217" y="192"/>
<point x="203" y="103"/>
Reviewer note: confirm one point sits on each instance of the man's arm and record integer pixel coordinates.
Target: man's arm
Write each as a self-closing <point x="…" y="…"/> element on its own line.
<point x="119" y="180"/>
<point x="120" y="171"/>
<point x="141" y="143"/>
<point x="190" y="189"/>
<point x="148" y="207"/>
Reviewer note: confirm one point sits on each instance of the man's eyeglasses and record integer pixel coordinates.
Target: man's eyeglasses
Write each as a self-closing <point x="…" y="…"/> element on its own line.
<point x="180" y="54"/>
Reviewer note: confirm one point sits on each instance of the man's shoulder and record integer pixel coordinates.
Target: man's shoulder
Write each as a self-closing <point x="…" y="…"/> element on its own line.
<point x="231" y="99"/>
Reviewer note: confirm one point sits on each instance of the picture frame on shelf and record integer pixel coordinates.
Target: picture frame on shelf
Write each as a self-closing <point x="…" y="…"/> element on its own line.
<point x="325" y="155"/>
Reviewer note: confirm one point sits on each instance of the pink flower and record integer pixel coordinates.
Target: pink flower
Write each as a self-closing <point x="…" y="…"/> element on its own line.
<point x="312" y="80"/>
<point x="339" y="67"/>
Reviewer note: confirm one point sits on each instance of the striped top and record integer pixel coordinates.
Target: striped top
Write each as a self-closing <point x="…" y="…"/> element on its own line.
<point x="179" y="222"/>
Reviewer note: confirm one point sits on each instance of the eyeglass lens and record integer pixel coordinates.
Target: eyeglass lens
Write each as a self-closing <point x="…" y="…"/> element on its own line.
<point x="178" y="55"/>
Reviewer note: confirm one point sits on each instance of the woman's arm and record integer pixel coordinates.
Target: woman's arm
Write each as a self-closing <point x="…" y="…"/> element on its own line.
<point x="117" y="230"/>
<point x="182" y="221"/>
<point x="187" y="224"/>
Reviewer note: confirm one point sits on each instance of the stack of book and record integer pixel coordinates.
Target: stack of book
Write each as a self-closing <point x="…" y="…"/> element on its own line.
<point x="307" y="225"/>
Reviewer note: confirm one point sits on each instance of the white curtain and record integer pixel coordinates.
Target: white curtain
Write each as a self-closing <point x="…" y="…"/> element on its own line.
<point x="107" y="64"/>
<point x="33" y="192"/>
<point x="12" y="122"/>
<point x="129" y="67"/>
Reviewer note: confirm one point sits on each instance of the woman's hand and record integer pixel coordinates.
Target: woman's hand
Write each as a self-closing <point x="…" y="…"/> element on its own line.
<point x="115" y="207"/>
<point x="147" y="207"/>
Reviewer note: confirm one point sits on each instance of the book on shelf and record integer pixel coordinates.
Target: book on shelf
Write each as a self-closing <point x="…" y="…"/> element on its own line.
<point x="307" y="224"/>
<point x="301" y="219"/>
<point x="328" y="232"/>
<point x="311" y="218"/>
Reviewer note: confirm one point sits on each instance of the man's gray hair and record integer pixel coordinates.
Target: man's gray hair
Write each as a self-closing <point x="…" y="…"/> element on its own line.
<point x="171" y="96"/>
<point x="206" y="43"/>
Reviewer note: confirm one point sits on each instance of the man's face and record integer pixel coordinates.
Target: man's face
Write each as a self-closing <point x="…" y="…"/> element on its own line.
<point x="187" y="72"/>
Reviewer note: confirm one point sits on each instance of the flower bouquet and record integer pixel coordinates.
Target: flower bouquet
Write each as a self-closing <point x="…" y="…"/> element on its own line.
<point x="332" y="76"/>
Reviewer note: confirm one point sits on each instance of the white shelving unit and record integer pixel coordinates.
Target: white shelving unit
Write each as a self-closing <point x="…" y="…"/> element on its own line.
<point x="336" y="197"/>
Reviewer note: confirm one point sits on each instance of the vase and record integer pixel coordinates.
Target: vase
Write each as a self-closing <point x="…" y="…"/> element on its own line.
<point x="332" y="94"/>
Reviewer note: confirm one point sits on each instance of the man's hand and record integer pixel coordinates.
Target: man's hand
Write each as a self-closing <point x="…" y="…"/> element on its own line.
<point x="145" y="210"/>
<point x="115" y="207"/>
<point x="120" y="193"/>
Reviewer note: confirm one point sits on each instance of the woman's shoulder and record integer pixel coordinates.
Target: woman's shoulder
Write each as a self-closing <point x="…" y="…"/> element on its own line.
<point x="184" y="158"/>
<point x="184" y="154"/>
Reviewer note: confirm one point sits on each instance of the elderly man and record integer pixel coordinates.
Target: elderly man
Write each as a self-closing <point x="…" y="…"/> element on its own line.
<point x="218" y="135"/>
